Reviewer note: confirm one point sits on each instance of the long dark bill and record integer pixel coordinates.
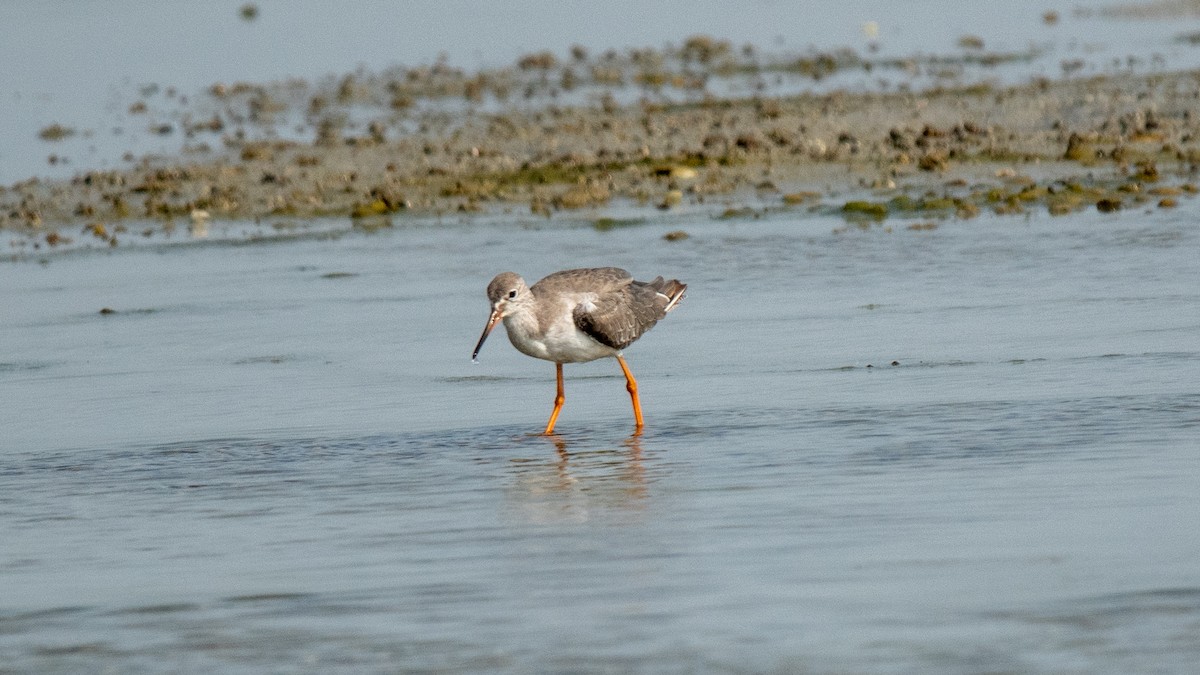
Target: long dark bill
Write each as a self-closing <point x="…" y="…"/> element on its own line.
<point x="492" y="321"/>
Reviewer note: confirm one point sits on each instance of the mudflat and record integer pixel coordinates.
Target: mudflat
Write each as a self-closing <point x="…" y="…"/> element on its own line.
<point x="647" y="129"/>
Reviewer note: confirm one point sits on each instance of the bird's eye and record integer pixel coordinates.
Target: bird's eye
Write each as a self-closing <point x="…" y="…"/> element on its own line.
<point x="512" y="294"/>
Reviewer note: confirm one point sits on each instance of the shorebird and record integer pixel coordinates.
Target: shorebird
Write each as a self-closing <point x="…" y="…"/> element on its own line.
<point x="575" y="316"/>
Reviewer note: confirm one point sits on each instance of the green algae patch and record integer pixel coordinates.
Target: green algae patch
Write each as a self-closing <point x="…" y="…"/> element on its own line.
<point x="865" y="210"/>
<point x="609" y="224"/>
<point x="375" y="207"/>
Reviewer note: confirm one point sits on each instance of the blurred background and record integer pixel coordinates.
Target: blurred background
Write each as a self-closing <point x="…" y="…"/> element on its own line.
<point x="83" y="66"/>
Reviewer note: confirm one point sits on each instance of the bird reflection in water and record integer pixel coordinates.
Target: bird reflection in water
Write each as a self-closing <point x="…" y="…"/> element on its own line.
<point x="581" y="480"/>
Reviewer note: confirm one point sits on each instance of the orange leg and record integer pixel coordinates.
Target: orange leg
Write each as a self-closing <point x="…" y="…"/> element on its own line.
<point x="558" y="400"/>
<point x="631" y="387"/>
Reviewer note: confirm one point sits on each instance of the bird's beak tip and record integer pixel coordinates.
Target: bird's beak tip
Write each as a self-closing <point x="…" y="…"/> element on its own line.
<point x="492" y="320"/>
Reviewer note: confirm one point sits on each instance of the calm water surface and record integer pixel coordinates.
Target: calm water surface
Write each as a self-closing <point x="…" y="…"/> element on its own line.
<point x="278" y="456"/>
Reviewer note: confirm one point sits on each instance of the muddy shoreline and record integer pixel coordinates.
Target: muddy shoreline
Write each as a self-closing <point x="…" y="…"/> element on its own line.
<point x="1107" y="142"/>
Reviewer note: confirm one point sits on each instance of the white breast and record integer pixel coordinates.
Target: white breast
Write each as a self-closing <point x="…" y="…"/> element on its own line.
<point x="560" y="341"/>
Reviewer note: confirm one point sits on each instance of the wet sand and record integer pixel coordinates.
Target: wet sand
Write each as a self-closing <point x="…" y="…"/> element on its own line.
<point x="439" y="140"/>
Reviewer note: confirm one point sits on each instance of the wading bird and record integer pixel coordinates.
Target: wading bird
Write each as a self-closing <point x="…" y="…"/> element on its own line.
<point x="581" y="315"/>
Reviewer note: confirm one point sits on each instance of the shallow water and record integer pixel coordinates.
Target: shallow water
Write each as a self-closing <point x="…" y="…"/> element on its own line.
<point x="277" y="455"/>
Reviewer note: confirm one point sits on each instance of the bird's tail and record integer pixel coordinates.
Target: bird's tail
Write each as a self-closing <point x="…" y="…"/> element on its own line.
<point x="673" y="290"/>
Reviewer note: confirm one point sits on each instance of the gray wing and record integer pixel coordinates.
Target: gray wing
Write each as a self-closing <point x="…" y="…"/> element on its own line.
<point x="589" y="278"/>
<point x="622" y="312"/>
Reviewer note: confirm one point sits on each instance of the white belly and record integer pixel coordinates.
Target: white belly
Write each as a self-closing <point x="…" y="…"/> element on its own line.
<point x="561" y="343"/>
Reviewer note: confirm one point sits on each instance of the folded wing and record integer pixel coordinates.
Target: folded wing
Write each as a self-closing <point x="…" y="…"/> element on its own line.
<point x="627" y="309"/>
